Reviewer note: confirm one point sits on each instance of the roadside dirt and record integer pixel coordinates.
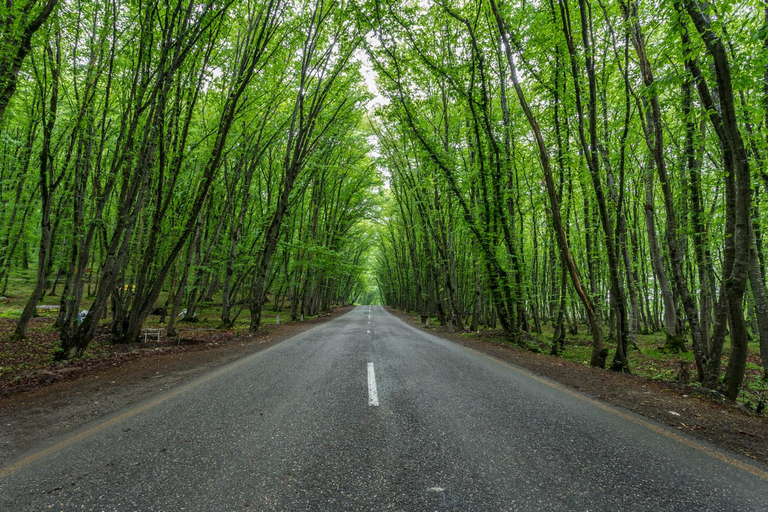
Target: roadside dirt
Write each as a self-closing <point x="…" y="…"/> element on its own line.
<point x="35" y="410"/>
<point x="684" y="407"/>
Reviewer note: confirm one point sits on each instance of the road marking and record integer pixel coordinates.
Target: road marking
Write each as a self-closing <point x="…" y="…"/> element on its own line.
<point x="373" y="395"/>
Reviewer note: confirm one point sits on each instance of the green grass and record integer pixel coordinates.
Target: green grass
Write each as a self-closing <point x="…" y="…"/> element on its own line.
<point x="577" y="353"/>
<point x="12" y="313"/>
<point x="650" y="360"/>
<point x="36" y="352"/>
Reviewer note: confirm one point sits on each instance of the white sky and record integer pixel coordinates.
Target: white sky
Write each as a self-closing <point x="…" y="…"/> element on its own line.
<point x="366" y="68"/>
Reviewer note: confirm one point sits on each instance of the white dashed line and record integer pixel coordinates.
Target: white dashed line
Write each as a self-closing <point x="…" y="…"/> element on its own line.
<point x="373" y="395"/>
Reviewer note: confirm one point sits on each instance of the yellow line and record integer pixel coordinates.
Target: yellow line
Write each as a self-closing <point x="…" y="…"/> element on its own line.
<point x="722" y="457"/>
<point x="12" y="468"/>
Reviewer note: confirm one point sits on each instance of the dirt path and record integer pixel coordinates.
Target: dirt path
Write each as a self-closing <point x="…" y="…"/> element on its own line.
<point x="103" y="387"/>
<point x="680" y="406"/>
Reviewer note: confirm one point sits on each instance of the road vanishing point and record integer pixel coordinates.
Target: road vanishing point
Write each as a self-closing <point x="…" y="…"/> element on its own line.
<point x="368" y="413"/>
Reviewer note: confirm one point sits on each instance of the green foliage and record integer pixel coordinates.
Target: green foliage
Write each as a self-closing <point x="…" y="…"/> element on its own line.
<point x="209" y="157"/>
<point x="468" y="228"/>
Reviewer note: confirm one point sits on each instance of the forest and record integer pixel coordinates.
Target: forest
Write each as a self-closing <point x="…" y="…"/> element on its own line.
<point x="563" y="166"/>
<point x="159" y="154"/>
<point x="551" y="169"/>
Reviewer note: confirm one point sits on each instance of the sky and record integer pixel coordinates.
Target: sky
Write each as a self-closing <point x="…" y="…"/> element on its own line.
<point x="361" y="55"/>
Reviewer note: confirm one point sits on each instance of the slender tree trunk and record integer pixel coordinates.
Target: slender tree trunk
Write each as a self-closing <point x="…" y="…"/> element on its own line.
<point x="179" y="293"/>
<point x="16" y="43"/>
<point x="48" y="186"/>
<point x="675" y="342"/>
<point x="598" y="357"/>
<point x="738" y="187"/>
<point x="590" y="149"/>
<point x="761" y="307"/>
<point x="655" y="140"/>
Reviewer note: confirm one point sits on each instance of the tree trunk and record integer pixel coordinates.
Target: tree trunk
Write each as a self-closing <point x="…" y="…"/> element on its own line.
<point x="570" y="264"/>
<point x="655" y="141"/>
<point x="738" y="187"/>
<point x="16" y="36"/>
<point x="675" y="341"/>
<point x="47" y="187"/>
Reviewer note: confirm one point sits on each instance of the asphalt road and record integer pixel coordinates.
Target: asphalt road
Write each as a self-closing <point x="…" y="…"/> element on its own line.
<point x="368" y="413"/>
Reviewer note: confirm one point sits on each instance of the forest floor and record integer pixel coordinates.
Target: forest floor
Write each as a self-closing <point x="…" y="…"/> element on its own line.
<point x="27" y="365"/>
<point x="686" y="407"/>
<point x="40" y="400"/>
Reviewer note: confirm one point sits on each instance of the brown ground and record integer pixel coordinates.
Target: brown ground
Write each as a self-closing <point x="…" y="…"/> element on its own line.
<point x="704" y="416"/>
<point x="47" y="403"/>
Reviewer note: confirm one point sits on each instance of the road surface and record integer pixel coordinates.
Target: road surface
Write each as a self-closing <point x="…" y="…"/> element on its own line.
<point x="368" y="413"/>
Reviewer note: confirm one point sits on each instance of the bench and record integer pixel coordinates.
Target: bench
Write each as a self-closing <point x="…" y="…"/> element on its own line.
<point x="151" y="332"/>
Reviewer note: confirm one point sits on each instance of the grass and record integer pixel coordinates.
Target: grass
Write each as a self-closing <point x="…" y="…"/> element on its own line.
<point x="35" y="353"/>
<point x="650" y="360"/>
<point x="653" y="362"/>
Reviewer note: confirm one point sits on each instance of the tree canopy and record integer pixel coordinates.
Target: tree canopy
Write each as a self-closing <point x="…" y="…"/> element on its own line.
<point x="527" y="165"/>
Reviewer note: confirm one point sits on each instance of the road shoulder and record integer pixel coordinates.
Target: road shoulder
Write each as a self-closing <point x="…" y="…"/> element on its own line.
<point x="32" y="418"/>
<point x="679" y="406"/>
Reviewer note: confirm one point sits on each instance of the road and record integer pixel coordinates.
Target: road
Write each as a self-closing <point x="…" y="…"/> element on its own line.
<point x="368" y="413"/>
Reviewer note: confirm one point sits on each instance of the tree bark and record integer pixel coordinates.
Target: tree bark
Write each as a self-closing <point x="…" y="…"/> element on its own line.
<point x="570" y="264"/>
<point x="48" y="185"/>
<point x="739" y="188"/>
<point x="17" y="43"/>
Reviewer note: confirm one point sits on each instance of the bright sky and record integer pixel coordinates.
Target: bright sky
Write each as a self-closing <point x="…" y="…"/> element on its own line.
<point x="366" y="68"/>
<point x="370" y="75"/>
